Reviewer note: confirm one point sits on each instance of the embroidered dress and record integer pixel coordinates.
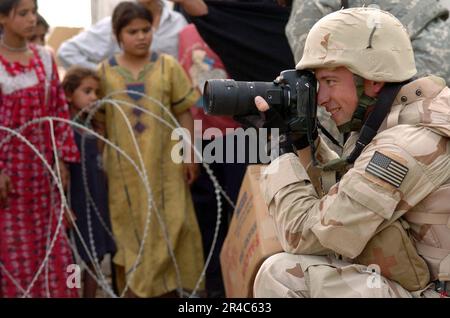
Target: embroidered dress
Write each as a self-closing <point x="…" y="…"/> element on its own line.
<point x="29" y="220"/>
<point x="164" y="80"/>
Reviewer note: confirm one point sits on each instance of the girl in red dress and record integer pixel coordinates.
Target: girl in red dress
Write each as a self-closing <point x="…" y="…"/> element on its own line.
<point x="29" y="202"/>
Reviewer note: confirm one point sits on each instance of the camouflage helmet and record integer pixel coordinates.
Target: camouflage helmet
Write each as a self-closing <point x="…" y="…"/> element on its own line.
<point x="370" y="42"/>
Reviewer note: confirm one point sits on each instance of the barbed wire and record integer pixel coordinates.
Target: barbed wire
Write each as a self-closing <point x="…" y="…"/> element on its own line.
<point x="141" y="171"/>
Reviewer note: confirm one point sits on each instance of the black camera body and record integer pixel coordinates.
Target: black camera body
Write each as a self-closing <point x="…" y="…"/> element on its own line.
<point x="292" y="95"/>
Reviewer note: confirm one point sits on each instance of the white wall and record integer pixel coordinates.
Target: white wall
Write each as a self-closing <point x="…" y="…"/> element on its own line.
<point x="70" y="13"/>
<point x="81" y="13"/>
<point x="102" y="8"/>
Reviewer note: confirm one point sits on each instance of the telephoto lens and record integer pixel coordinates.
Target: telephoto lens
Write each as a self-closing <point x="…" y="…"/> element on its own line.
<point x="292" y="95"/>
<point x="232" y="98"/>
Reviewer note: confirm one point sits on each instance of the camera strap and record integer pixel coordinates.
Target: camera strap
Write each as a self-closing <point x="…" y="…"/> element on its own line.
<point x="359" y="115"/>
<point x="328" y="135"/>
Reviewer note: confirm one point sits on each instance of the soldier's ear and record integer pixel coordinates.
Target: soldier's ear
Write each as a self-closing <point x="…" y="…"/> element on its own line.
<point x="372" y="88"/>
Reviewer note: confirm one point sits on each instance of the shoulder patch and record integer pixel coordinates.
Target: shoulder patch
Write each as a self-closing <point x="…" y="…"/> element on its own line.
<point x="387" y="169"/>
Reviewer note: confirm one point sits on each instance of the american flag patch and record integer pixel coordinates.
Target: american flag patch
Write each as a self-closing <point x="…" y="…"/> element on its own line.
<point x="387" y="169"/>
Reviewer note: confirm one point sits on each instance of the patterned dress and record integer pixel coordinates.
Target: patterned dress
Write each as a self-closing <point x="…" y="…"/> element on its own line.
<point x="162" y="79"/>
<point x="28" y="222"/>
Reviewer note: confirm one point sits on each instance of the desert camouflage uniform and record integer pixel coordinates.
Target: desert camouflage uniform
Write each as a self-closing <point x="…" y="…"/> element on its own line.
<point x="367" y="219"/>
<point x="429" y="33"/>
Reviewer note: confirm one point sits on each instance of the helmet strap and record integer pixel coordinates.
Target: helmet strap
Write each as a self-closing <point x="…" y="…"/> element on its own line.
<point x="364" y="102"/>
<point x="375" y="119"/>
<point x="370" y="127"/>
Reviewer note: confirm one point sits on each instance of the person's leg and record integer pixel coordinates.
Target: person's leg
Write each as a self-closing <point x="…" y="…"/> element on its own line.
<point x="120" y="281"/>
<point x="89" y="283"/>
<point x="289" y="275"/>
<point x="205" y="204"/>
<point x="130" y="294"/>
<point x="114" y="283"/>
<point x="172" y="294"/>
<point x="280" y="276"/>
<point x="230" y="175"/>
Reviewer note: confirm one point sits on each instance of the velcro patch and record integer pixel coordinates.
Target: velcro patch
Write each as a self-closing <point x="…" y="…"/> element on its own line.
<point x="387" y="169"/>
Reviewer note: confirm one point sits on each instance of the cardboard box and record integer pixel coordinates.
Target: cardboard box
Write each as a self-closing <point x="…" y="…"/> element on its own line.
<point x="250" y="240"/>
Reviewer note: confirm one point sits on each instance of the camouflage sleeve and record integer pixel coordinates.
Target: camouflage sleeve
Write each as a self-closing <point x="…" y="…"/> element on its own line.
<point x="432" y="50"/>
<point x="304" y="14"/>
<point x="345" y="219"/>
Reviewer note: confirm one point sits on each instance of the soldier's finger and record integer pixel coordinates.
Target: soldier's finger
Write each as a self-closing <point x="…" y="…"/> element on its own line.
<point x="261" y="104"/>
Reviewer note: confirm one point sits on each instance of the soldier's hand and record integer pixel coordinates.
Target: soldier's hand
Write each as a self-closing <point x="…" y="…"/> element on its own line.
<point x="280" y="143"/>
<point x="266" y="118"/>
<point x="272" y="119"/>
<point x="5" y="188"/>
<point x="261" y="104"/>
<point x="254" y="120"/>
<point x="270" y="116"/>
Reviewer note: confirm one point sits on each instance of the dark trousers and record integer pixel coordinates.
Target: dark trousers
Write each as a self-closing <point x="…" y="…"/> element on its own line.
<point x="230" y="177"/>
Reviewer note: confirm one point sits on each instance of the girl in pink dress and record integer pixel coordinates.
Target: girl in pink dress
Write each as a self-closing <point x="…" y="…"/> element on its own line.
<point x="29" y="203"/>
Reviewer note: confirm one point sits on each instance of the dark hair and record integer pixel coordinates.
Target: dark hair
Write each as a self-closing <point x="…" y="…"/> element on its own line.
<point x="6" y="6"/>
<point x="43" y="22"/>
<point x="127" y="11"/>
<point x="74" y="76"/>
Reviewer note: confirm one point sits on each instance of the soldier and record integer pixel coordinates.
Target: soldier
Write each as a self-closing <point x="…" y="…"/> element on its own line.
<point x="384" y="229"/>
<point x="424" y="19"/>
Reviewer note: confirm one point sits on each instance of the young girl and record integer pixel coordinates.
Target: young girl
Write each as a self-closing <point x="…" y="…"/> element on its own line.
<point x="30" y="89"/>
<point x="161" y="77"/>
<point x="40" y="32"/>
<point x="82" y="87"/>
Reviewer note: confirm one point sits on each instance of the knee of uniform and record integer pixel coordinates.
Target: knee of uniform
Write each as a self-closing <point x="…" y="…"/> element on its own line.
<point x="275" y="260"/>
<point x="269" y="274"/>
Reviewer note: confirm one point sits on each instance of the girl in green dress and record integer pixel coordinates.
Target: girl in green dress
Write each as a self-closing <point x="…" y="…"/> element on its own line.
<point x="140" y="71"/>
